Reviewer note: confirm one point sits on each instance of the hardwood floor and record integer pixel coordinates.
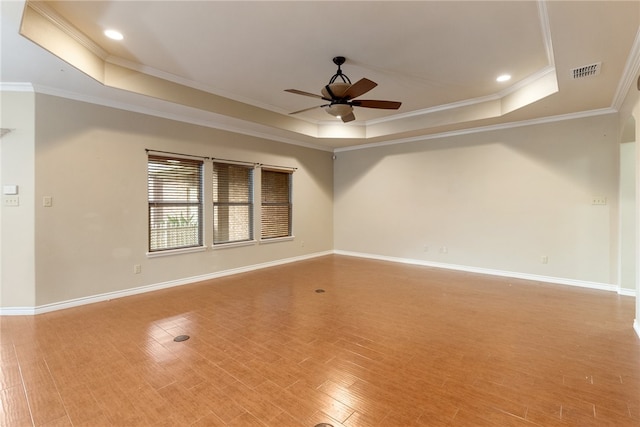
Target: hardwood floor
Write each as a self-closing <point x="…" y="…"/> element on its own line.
<point x="384" y="345"/>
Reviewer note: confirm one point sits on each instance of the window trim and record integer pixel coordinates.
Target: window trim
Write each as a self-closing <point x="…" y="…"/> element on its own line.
<point x="291" y="234"/>
<point x="251" y="204"/>
<point x="207" y="205"/>
<point x="276" y="240"/>
<point x="168" y="252"/>
<point x="228" y="245"/>
<point x="170" y="158"/>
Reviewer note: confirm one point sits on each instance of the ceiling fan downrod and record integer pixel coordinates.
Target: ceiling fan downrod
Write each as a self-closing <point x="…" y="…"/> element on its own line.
<point x="339" y="60"/>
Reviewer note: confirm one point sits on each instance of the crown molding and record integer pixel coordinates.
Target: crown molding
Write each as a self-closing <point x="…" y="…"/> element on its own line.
<point x="16" y="87"/>
<point x="497" y="127"/>
<point x="629" y="75"/>
<point x="144" y="69"/>
<point x="545" y="28"/>
<point x="51" y="15"/>
<point x="216" y="121"/>
<point x="469" y="102"/>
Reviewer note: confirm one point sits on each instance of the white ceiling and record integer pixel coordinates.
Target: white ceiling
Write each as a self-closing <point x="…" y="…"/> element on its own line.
<point x="439" y="58"/>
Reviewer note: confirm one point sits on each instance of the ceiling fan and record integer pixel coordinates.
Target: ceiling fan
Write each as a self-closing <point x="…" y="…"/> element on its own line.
<point x="341" y="95"/>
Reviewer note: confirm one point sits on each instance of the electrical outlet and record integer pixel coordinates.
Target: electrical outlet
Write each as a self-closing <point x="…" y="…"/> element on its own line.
<point x="137" y="269"/>
<point x="544" y="259"/>
<point x="47" y="201"/>
<point x="444" y="250"/>
<point x="11" y="200"/>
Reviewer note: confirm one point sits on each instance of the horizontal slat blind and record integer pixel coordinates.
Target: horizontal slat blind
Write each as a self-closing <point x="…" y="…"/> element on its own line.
<point x="232" y="203"/>
<point x="276" y="204"/>
<point x="175" y="203"/>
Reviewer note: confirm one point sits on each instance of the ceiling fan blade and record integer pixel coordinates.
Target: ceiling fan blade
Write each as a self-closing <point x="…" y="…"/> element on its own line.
<point x="348" y="118"/>
<point x="308" y="109"/>
<point x="373" y="103"/>
<point x="301" y="92"/>
<point x="360" y="87"/>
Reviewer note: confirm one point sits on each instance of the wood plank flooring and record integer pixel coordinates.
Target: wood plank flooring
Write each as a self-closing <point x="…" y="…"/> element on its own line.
<point x="383" y="345"/>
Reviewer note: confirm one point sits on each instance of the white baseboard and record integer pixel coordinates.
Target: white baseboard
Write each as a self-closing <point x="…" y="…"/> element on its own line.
<point x="636" y="326"/>
<point x="512" y="274"/>
<point x="18" y="311"/>
<point x="627" y="292"/>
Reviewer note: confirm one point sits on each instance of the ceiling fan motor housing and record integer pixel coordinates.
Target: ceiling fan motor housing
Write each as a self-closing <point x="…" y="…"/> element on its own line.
<point x="337" y="89"/>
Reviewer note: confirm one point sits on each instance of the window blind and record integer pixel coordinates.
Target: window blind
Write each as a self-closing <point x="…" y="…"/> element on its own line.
<point x="232" y="203"/>
<point x="175" y="202"/>
<point x="276" y="204"/>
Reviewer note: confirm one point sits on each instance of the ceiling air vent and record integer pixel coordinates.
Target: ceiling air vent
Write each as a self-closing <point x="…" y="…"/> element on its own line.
<point x="586" y="71"/>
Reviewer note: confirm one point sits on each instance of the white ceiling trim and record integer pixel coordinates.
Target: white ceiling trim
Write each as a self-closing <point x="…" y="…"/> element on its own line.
<point x="468" y="102"/>
<point x="502" y="126"/>
<point x="192" y="84"/>
<point x="630" y="74"/>
<point x="48" y="13"/>
<point x="216" y="121"/>
<point x="16" y="87"/>
<point x="28" y="87"/>
<point x="546" y="31"/>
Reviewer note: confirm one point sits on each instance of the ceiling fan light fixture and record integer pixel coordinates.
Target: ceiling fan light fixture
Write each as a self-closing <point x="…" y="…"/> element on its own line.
<point x="503" y="78"/>
<point x="339" y="110"/>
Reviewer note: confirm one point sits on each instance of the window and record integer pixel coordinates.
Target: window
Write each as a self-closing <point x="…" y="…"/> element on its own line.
<point x="175" y="203"/>
<point x="276" y="204"/>
<point x="232" y="203"/>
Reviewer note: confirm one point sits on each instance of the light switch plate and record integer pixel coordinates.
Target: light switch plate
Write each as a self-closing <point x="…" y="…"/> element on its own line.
<point x="9" y="189"/>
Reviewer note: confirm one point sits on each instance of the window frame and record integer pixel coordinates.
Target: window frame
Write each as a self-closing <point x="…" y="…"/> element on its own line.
<point x="288" y="204"/>
<point x="250" y="204"/>
<point x="193" y="207"/>
<point x="259" y="209"/>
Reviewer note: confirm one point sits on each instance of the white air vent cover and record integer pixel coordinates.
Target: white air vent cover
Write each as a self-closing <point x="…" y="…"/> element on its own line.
<point x="586" y="71"/>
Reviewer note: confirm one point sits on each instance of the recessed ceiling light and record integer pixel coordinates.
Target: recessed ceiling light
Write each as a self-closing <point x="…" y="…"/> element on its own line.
<point x="113" y="34"/>
<point x="503" y="78"/>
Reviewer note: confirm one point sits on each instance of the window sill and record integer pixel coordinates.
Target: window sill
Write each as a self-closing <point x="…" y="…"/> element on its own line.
<point x="176" y="251"/>
<point x="276" y="240"/>
<point x="233" y="244"/>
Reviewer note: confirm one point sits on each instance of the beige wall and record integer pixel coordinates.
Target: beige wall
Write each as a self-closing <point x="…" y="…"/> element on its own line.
<point x="17" y="263"/>
<point x="497" y="200"/>
<point x="636" y="114"/>
<point x="91" y="160"/>
<point x="628" y="216"/>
